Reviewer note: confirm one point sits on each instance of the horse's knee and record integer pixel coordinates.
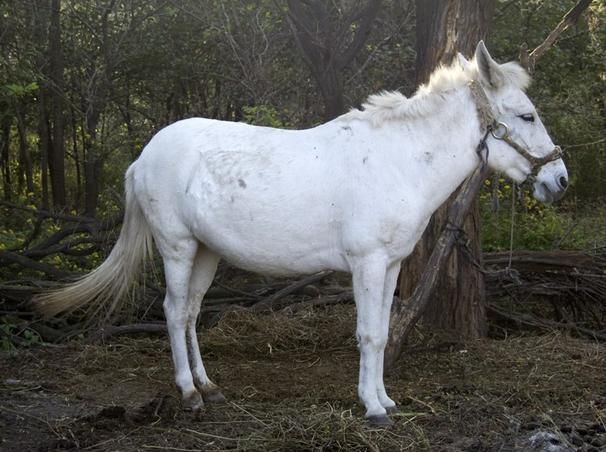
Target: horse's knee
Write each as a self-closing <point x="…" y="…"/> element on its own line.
<point x="372" y="340"/>
<point x="175" y="314"/>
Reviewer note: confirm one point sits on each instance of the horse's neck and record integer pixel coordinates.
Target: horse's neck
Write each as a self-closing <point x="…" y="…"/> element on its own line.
<point x="442" y="147"/>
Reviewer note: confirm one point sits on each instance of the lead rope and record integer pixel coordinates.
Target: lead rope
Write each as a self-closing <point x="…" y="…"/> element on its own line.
<point x="511" y="228"/>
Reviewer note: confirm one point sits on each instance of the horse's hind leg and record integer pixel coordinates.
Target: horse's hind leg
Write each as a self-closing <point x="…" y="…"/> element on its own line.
<point x="203" y="272"/>
<point x="178" y="262"/>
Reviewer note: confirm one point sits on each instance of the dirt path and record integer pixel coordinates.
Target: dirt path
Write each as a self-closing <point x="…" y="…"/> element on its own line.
<point x="291" y="382"/>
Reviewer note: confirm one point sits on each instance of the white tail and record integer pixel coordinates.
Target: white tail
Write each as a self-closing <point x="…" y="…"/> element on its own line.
<point x="106" y="287"/>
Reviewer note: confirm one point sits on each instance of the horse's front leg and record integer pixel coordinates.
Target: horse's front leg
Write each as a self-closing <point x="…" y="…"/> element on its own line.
<point x="391" y="281"/>
<point x="368" y="275"/>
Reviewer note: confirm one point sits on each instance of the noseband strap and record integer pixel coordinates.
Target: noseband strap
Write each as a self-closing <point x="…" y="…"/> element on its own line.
<point x="500" y="131"/>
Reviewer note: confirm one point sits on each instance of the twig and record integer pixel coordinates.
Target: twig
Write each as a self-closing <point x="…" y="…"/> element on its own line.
<point x="268" y="303"/>
<point x="136" y="328"/>
<point x="325" y="300"/>
<point x="582" y="145"/>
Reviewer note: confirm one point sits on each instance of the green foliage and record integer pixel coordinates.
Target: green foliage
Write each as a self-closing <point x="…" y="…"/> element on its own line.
<point x="17" y="90"/>
<point x="536" y="226"/>
<point x="262" y="115"/>
<point x="13" y="336"/>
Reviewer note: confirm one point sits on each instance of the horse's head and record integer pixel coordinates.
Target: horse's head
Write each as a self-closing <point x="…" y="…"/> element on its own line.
<point x="519" y="144"/>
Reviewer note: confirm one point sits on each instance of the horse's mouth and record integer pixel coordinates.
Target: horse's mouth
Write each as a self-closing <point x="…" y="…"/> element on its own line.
<point x="546" y="195"/>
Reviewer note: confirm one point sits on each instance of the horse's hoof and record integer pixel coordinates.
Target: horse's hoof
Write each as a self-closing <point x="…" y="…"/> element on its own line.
<point x="193" y="402"/>
<point x="379" y="420"/>
<point x="392" y="409"/>
<point x="213" y="395"/>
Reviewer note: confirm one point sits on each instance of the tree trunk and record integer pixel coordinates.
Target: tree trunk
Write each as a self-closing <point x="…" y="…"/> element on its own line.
<point x="40" y="13"/>
<point x="331" y="88"/>
<point x="329" y="39"/>
<point x="444" y="28"/>
<point x="25" y="157"/>
<point x="57" y="156"/>
<point x="5" y="158"/>
<point x="43" y="133"/>
<point x="92" y="166"/>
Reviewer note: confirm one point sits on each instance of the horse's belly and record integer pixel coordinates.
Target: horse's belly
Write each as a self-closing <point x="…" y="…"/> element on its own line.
<point x="275" y="264"/>
<point x="281" y="255"/>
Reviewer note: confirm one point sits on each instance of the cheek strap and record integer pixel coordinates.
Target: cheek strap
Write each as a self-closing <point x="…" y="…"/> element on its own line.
<point x="500" y="131"/>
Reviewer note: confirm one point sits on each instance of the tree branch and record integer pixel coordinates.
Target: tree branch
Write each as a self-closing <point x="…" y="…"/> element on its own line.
<point x="404" y="320"/>
<point x="8" y="257"/>
<point x="366" y="16"/>
<point x="529" y="60"/>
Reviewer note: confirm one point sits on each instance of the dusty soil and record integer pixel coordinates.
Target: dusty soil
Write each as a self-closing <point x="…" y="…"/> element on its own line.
<point x="290" y="381"/>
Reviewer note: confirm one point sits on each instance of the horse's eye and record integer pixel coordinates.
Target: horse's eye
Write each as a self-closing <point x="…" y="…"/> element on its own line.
<point x="527" y="117"/>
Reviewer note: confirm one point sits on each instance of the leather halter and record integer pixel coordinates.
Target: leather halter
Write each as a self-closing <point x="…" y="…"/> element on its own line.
<point x="500" y="131"/>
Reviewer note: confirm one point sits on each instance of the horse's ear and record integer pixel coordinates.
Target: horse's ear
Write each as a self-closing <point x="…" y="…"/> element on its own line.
<point x="489" y="70"/>
<point x="463" y="62"/>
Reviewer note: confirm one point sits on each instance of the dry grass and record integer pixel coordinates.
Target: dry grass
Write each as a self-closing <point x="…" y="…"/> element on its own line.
<point x="291" y="385"/>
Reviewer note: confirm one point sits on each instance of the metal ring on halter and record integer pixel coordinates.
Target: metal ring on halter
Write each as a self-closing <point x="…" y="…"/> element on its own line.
<point x="500" y="126"/>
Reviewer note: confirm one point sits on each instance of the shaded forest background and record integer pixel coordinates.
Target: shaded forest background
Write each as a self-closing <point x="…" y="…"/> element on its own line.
<point x="84" y="85"/>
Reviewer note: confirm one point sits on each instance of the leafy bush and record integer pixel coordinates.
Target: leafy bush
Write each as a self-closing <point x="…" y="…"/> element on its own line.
<point x="537" y="226"/>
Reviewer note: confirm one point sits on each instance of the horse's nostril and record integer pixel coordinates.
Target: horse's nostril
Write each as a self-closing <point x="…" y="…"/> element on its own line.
<point x="563" y="182"/>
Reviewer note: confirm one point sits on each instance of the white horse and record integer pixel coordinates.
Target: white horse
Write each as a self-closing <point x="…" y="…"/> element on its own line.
<point x="352" y="195"/>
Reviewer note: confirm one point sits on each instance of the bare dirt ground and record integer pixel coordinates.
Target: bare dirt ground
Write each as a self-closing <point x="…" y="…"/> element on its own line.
<point x="291" y="380"/>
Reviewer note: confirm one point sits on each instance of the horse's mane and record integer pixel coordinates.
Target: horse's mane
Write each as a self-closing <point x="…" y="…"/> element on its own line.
<point x="393" y="105"/>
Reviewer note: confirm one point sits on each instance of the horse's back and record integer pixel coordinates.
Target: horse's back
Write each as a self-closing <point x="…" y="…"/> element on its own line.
<point x="266" y="199"/>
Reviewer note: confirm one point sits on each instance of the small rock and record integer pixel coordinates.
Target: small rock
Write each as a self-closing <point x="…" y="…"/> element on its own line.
<point x="311" y="291"/>
<point x="544" y="441"/>
<point x="599" y="441"/>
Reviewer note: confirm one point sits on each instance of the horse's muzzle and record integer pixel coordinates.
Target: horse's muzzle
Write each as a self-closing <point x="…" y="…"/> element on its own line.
<point x="549" y="191"/>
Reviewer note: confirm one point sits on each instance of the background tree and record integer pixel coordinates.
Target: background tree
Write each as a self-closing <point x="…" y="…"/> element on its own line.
<point x="130" y="67"/>
<point x="443" y="29"/>
<point x="329" y="36"/>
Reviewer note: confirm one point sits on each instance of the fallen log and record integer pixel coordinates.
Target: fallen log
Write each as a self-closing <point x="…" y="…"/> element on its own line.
<point x="541" y="261"/>
<point x="544" y="324"/>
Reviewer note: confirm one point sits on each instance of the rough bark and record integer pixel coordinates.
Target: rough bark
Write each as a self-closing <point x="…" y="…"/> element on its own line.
<point x="444" y="28"/>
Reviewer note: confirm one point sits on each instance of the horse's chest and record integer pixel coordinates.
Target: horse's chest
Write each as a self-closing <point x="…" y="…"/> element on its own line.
<point x="395" y="228"/>
<point x="400" y="236"/>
